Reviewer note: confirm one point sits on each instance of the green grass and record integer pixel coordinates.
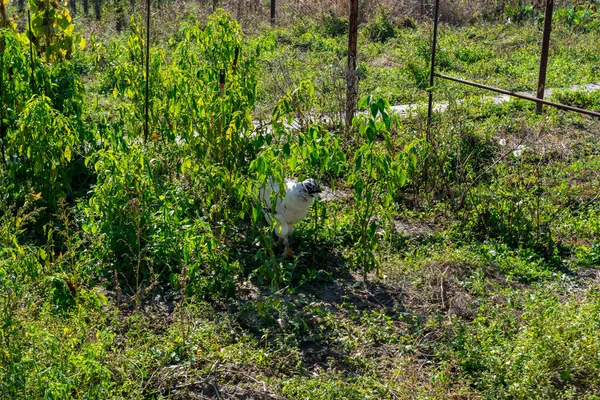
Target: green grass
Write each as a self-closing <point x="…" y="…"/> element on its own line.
<point x="500" y="55"/>
<point x="143" y="269"/>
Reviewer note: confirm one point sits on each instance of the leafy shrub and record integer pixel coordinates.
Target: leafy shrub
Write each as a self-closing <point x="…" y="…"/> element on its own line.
<point x="581" y="17"/>
<point x="52" y="29"/>
<point x="44" y="144"/>
<point x="518" y="11"/>
<point x="379" y="172"/>
<point x="334" y="25"/>
<point x="216" y="157"/>
<point x="381" y="29"/>
<point x="42" y="112"/>
<point x="136" y="217"/>
<point x="420" y="75"/>
<point x="209" y="266"/>
<point x="442" y="60"/>
<point x="313" y="152"/>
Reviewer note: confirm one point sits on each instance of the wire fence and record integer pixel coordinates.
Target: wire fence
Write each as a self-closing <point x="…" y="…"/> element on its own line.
<point x="542" y="71"/>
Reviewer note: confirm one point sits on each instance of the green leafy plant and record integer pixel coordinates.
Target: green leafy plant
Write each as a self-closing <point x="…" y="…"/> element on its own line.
<point x="518" y="11"/>
<point x="53" y="31"/>
<point x="313" y="152"/>
<point x="42" y="117"/>
<point x="44" y="144"/>
<point x="580" y="17"/>
<point x="379" y="171"/>
<point x="381" y="29"/>
<point x="334" y="25"/>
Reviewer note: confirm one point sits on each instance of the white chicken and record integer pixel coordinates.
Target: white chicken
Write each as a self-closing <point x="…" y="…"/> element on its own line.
<point x="291" y="207"/>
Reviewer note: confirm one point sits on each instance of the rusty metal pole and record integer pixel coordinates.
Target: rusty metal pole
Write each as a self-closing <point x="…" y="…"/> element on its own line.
<point x="235" y="59"/>
<point x="31" y="52"/>
<point x="544" y="59"/>
<point x="432" y="72"/>
<point x="221" y="94"/>
<point x="351" y="77"/>
<point x="521" y="96"/>
<point x="146" y="108"/>
<point x="2" y="131"/>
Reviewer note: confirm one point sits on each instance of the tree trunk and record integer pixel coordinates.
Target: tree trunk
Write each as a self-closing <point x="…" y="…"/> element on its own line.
<point x="272" y="12"/>
<point x="86" y="7"/>
<point x="120" y="16"/>
<point x="97" y="9"/>
<point x="351" y="78"/>
<point x="3" y="15"/>
<point x="73" y="7"/>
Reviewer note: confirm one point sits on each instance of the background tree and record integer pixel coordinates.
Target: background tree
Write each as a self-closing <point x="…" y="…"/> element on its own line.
<point x="21" y="6"/>
<point x="3" y="15"/>
<point x="98" y="9"/>
<point x="272" y="12"/>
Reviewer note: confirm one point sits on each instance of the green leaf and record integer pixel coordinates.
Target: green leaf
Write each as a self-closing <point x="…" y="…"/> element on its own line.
<point x="314" y="158"/>
<point x="374" y="109"/>
<point x="292" y="162"/>
<point x="381" y="105"/>
<point x="402" y="177"/>
<point x="185" y="166"/>
<point x="372" y="228"/>
<point x="358" y="188"/>
<point x="63" y="21"/>
<point x="413" y="160"/>
<point x="370" y="133"/>
<point x="67" y="154"/>
<point x="386" y="120"/>
<point x="256" y="211"/>
<point x="388" y="142"/>
<point x="364" y="102"/>
<point x="358" y="163"/>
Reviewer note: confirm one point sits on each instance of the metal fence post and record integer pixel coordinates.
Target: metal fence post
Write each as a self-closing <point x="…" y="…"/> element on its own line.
<point x="2" y="131"/>
<point x="544" y="58"/>
<point x="221" y="94"/>
<point x="31" y="52"/>
<point x="432" y="72"/>
<point x="146" y="124"/>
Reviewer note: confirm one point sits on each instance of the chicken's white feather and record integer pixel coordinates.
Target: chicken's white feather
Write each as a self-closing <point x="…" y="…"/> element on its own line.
<point x="291" y="205"/>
